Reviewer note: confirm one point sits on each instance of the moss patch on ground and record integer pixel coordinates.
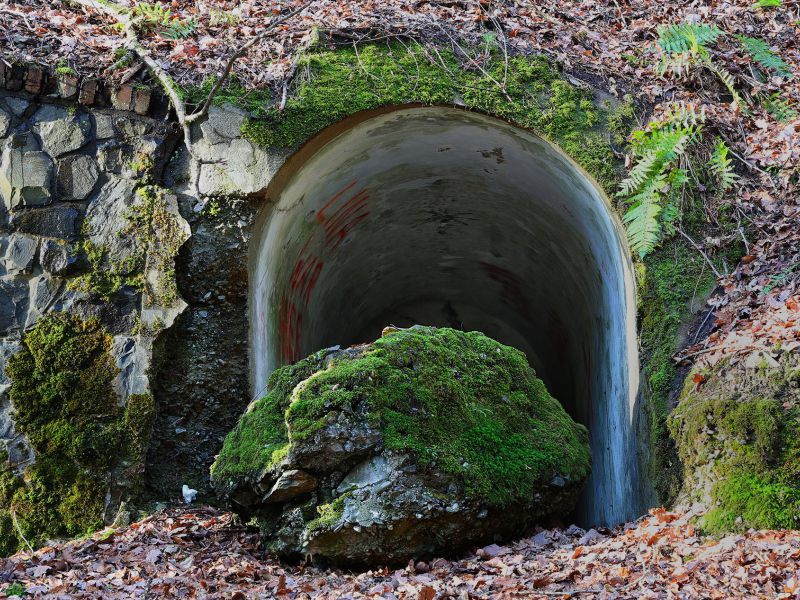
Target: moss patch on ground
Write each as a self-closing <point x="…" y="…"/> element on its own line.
<point x="65" y="405"/>
<point x="528" y="90"/>
<point x="740" y="430"/>
<point x="460" y="401"/>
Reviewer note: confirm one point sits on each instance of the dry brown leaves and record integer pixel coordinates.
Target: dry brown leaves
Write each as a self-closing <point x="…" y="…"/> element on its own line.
<point x="201" y="553"/>
<point x="612" y="41"/>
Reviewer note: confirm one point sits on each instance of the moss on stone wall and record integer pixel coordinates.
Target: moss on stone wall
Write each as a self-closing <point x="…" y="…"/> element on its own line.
<point x="738" y="434"/>
<point x="158" y="236"/>
<point x="527" y="90"/>
<point x="65" y="405"/>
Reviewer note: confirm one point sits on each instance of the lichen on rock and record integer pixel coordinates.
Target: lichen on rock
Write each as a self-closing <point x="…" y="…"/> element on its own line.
<point x="425" y="441"/>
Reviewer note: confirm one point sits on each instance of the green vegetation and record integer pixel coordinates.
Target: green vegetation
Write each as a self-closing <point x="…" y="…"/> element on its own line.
<point x="15" y="589"/>
<point x="673" y="283"/>
<point x="65" y="405"/>
<point x="766" y="58"/>
<point x="329" y="514"/>
<point x="105" y="276"/>
<point x="747" y="428"/>
<point x="155" y="16"/>
<point x="767" y="3"/>
<point x="460" y="400"/>
<point x="670" y="159"/>
<point x="334" y="84"/>
<point x="159" y="238"/>
<point x="63" y="69"/>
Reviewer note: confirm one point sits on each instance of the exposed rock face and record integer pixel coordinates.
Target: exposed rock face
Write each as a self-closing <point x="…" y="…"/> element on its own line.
<point x="737" y="430"/>
<point x="60" y="130"/>
<point x="76" y="177"/>
<point x="25" y="173"/>
<point x="426" y="441"/>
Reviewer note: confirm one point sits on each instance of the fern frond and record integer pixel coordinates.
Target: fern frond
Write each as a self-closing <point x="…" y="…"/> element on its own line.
<point x="685" y="115"/>
<point x="677" y="64"/>
<point x="641" y="171"/>
<point x="656" y="177"/>
<point x="180" y="30"/>
<point x="641" y="219"/>
<point x="686" y="37"/>
<point x="727" y="80"/>
<point x="154" y="14"/>
<point x="765" y="57"/>
<point x="767" y="3"/>
<point x="654" y="155"/>
<point x="780" y="108"/>
<point x="720" y="166"/>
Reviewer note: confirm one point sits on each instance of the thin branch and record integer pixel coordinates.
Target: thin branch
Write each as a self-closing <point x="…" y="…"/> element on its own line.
<point x="241" y="51"/>
<point x="701" y="251"/>
<point x="19" y="530"/>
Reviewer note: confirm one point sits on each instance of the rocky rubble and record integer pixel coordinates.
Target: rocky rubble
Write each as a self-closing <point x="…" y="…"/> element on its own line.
<point x="424" y="442"/>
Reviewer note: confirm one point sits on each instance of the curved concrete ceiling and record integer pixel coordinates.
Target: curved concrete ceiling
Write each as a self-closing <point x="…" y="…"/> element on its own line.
<point x="445" y="217"/>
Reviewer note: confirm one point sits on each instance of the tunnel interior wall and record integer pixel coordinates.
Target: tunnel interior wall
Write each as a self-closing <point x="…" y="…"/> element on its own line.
<point x="451" y="218"/>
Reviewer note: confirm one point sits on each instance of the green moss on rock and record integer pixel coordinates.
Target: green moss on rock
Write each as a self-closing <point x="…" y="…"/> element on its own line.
<point x="527" y="90"/>
<point x="461" y="402"/>
<point x="64" y="403"/>
<point x="738" y="435"/>
<point x="673" y="284"/>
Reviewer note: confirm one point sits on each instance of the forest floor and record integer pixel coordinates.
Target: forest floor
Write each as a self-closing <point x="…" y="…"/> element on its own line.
<point x="204" y="553"/>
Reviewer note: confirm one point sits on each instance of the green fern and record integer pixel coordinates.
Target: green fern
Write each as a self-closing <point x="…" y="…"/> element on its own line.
<point x="655" y="182"/>
<point x="719" y="165"/>
<point x="779" y="108"/>
<point x="179" y="30"/>
<point x="727" y="80"/>
<point x="765" y="57"/>
<point x="693" y="38"/>
<point x="153" y="14"/>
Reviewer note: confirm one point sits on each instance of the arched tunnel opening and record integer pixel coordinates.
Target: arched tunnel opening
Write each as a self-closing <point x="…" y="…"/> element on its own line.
<point x="445" y="217"/>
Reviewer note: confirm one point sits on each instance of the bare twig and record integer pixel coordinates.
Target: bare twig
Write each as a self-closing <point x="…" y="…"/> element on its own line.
<point x="241" y="51"/>
<point x="19" y="530"/>
<point x="701" y="251"/>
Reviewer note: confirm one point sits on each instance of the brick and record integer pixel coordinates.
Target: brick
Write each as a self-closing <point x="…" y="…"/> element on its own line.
<point x="141" y="101"/>
<point x="34" y="80"/>
<point x="122" y="98"/>
<point x="88" y="92"/>
<point x="16" y="78"/>
<point x="68" y="86"/>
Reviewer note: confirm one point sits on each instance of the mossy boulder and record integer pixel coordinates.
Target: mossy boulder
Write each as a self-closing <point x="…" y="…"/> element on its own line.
<point x="424" y="442"/>
<point x="737" y="430"/>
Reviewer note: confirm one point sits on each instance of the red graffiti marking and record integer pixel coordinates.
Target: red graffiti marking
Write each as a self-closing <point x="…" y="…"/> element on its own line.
<point x="290" y="324"/>
<point x="344" y="220"/>
<point x="510" y="290"/>
<point x="321" y="213"/>
<point x="337" y="220"/>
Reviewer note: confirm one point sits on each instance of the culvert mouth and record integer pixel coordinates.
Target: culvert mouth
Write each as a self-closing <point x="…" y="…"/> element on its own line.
<point x="446" y="217"/>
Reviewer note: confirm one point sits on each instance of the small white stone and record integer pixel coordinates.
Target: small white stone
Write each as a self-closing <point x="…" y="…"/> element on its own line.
<point x="188" y="494"/>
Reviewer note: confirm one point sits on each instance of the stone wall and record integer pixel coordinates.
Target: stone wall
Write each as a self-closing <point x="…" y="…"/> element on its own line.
<point x="74" y="182"/>
<point x="68" y="176"/>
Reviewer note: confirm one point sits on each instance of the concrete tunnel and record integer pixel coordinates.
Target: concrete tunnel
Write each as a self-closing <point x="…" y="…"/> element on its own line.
<point x="445" y="217"/>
